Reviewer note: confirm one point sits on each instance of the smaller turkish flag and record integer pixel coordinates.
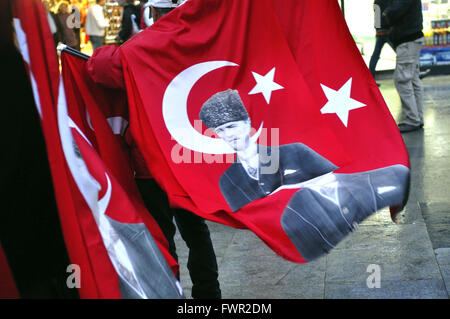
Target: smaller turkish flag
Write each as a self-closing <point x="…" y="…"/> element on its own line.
<point x="102" y="112"/>
<point x="109" y="235"/>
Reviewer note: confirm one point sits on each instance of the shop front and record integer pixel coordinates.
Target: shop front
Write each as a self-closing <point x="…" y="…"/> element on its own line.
<point x="435" y="55"/>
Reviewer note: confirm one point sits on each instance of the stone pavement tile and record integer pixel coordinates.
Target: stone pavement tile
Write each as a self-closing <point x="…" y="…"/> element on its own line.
<point x="389" y="289"/>
<point x="221" y="241"/>
<point x="187" y="291"/>
<point x="216" y="227"/>
<point x="232" y="292"/>
<point x="228" y="292"/>
<point x="412" y="213"/>
<point x="436" y="166"/>
<point x="312" y="274"/>
<point x="253" y="270"/>
<point x="416" y="153"/>
<point x="245" y="244"/>
<point x="443" y="259"/>
<point x="432" y="190"/>
<point x="283" y="292"/>
<point x="414" y="142"/>
<point x="369" y="237"/>
<point x="380" y="217"/>
<point x="437" y="217"/>
<point x="403" y="252"/>
<point x="439" y="234"/>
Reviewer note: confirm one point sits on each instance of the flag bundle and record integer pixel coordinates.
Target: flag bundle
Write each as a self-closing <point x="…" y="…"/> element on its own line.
<point x="110" y="236"/>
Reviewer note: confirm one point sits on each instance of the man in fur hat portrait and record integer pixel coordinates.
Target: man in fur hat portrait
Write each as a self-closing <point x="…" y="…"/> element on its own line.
<point x="328" y="205"/>
<point x="259" y="170"/>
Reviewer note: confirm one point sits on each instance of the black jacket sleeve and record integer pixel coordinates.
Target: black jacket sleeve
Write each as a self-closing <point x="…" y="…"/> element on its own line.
<point x="58" y="37"/>
<point x="396" y="11"/>
<point x="126" y="28"/>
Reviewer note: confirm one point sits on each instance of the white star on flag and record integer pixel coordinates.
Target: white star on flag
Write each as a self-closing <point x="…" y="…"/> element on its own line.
<point x="265" y="85"/>
<point x="340" y="102"/>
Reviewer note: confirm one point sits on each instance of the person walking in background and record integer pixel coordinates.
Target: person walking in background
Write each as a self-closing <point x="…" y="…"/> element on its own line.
<point x="54" y="23"/>
<point x="68" y="33"/>
<point x="406" y="22"/>
<point x="96" y="24"/>
<point x="126" y="29"/>
<point x="76" y="21"/>
<point x="381" y="31"/>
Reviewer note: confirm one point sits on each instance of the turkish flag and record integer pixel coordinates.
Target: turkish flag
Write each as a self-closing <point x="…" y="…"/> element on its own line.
<point x="114" y="244"/>
<point x="102" y="113"/>
<point x="324" y="117"/>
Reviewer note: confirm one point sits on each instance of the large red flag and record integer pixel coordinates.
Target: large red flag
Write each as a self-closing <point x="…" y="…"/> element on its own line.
<point x="107" y="233"/>
<point x="328" y="153"/>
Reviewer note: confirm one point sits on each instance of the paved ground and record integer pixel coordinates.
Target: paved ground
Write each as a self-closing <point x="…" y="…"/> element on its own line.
<point x="413" y="257"/>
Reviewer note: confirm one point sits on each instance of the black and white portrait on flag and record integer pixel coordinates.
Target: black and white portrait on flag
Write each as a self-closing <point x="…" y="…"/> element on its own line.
<point x="327" y="206"/>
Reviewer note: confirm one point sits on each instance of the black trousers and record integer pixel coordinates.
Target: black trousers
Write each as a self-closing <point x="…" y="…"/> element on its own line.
<point x="202" y="263"/>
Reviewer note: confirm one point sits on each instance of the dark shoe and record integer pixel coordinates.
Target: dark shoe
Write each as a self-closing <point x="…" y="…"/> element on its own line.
<point x="404" y="128"/>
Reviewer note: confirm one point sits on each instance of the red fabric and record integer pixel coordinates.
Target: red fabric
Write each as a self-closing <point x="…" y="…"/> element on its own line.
<point x="138" y="162"/>
<point x="43" y="65"/>
<point x="142" y="25"/>
<point x="105" y="68"/>
<point x="8" y="289"/>
<point x="99" y="161"/>
<point x="326" y="54"/>
<point x="295" y="37"/>
<point x="103" y="103"/>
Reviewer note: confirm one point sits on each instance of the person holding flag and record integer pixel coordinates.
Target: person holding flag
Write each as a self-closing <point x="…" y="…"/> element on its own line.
<point x="105" y="68"/>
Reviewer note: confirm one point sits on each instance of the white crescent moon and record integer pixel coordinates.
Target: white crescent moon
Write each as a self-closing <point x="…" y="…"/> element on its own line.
<point x="103" y="203"/>
<point x="174" y="107"/>
<point x="89" y="187"/>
